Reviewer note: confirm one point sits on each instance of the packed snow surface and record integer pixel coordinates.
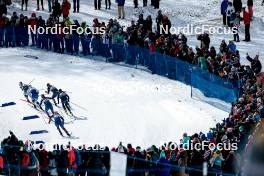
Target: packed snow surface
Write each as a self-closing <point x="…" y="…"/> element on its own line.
<point x="120" y="103"/>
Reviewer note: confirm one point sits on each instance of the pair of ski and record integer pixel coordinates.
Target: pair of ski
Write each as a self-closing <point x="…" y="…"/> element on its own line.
<point x="44" y="115"/>
<point x="42" y="112"/>
<point x="69" y="114"/>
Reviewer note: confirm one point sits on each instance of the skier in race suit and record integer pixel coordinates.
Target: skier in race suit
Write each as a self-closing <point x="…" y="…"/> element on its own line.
<point x="54" y="91"/>
<point x="59" y="123"/>
<point x="65" y="99"/>
<point x="24" y="88"/>
<point x="47" y="106"/>
<point x="30" y="92"/>
<point x="33" y="93"/>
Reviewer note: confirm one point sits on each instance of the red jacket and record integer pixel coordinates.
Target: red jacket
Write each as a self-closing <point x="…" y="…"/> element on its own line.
<point x="25" y="160"/>
<point x="32" y="21"/>
<point x="1" y="162"/>
<point x="44" y="160"/>
<point x="152" y="48"/>
<point x="71" y="157"/>
<point x="65" y="8"/>
<point x="246" y="17"/>
<point x="2" y="22"/>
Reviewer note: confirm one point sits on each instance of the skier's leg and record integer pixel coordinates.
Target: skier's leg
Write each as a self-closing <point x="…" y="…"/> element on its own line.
<point x="68" y="107"/>
<point x="64" y="129"/>
<point x="58" y="128"/>
<point x="47" y="112"/>
<point x="64" y="107"/>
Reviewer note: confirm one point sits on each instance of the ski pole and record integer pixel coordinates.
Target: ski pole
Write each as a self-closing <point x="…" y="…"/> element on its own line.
<point x="31" y="81"/>
<point x="79" y="106"/>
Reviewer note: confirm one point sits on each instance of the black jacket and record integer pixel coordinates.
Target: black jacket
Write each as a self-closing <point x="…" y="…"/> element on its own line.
<point x="255" y="64"/>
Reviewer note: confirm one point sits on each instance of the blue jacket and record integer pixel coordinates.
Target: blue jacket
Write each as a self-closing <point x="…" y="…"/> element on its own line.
<point x="232" y="47"/>
<point x="224" y="6"/>
<point x="120" y="2"/>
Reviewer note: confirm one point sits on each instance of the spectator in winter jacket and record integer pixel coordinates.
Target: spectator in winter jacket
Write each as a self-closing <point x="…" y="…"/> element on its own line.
<point x="43" y="160"/>
<point x="65" y="8"/>
<point x="121" y="10"/>
<point x="56" y="10"/>
<point x="33" y="24"/>
<point x="250" y="8"/>
<point x="1" y="163"/>
<point x="52" y="164"/>
<point x="236" y="25"/>
<point x="159" y="20"/>
<point x="85" y="40"/>
<point x="205" y="40"/>
<point x="231" y="46"/>
<point x="217" y="160"/>
<point x="224" y="6"/>
<point x="25" y="162"/>
<point x="229" y="11"/>
<point x="237" y="5"/>
<point x="255" y="64"/>
<point x="3" y="9"/>
<point x="148" y="23"/>
<point x="203" y="62"/>
<point x="2" y="29"/>
<point x="163" y="163"/>
<point x="246" y="19"/>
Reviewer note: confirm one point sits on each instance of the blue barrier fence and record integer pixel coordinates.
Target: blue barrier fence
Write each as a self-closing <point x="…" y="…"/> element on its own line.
<point x="210" y="85"/>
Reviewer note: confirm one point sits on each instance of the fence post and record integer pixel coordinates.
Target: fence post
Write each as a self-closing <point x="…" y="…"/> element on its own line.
<point x="205" y="169"/>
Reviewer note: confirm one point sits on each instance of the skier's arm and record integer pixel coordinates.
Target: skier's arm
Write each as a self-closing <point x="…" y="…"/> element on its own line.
<point x="62" y="119"/>
<point x="249" y="58"/>
<point x="41" y="104"/>
<point x="58" y="98"/>
<point x="68" y="97"/>
<point x="48" y="90"/>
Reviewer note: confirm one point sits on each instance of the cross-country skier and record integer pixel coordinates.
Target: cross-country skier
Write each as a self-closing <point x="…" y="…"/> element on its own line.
<point x="59" y="123"/>
<point x="54" y="91"/>
<point x="65" y="99"/>
<point x="24" y="88"/>
<point x="33" y="93"/>
<point x="47" y="106"/>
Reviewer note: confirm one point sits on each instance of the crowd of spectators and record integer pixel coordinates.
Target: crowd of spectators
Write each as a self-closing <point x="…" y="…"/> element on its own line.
<point x="141" y="33"/>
